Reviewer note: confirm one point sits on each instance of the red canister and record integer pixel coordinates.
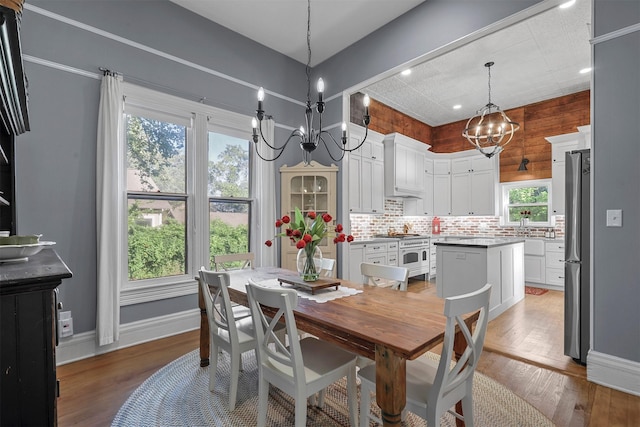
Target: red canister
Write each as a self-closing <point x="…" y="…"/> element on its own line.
<point x="435" y="225"/>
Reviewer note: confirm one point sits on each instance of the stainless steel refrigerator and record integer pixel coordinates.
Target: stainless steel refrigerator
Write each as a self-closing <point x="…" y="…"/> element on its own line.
<point x="576" y="267"/>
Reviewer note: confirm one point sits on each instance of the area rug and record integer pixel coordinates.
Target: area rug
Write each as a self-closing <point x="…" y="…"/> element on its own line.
<point x="530" y="290"/>
<point x="178" y="395"/>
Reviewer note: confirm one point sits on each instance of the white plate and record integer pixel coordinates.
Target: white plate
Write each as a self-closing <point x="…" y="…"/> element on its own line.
<point x="21" y="252"/>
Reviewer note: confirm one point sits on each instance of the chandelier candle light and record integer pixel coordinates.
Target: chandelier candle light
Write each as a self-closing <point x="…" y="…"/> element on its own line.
<point x="307" y="233"/>
<point x="308" y="137"/>
<point x="490" y="138"/>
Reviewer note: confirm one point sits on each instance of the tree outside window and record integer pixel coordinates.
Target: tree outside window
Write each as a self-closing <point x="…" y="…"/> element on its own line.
<point x="527" y="200"/>
<point x="228" y="187"/>
<point x="157" y="201"/>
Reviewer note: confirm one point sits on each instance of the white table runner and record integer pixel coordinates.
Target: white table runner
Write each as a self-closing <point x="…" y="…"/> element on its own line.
<point x="269" y="279"/>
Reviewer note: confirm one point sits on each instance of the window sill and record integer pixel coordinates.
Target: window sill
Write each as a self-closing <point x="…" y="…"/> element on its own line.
<point x="178" y="287"/>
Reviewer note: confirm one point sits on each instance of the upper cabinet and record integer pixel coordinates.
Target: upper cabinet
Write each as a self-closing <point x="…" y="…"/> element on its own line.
<point x="403" y="166"/>
<point x="422" y="206"/>
<point x="560" y="145"/>
<point x="442" y="187"/>
<point x="366" y="172"/>
<point x="473" y="185"/>
<point x="13" y="87"/>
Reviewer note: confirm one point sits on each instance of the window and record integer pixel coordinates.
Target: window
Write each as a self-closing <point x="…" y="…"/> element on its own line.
<point x="156" y="194"/>
<point x="228" y="188"/>
<point x="187" y="169"/>
<point x="526" y="199"/>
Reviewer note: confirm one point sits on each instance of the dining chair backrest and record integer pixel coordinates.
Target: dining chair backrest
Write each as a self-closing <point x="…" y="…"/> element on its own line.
<point x="283" y="301"/>
<point x="377" y="275"/>
<point x="229" y="262"/>
<point x="450" y="385"/>
<point x="303" y="369"/>
<point x="230" y="328"/>
<point x="435" y="387"/>
<point x="328" y="266"/>
<point x="214" y="287"/>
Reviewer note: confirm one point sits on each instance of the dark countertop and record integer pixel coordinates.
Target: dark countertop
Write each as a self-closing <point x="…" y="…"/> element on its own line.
<point x="481" y="242"/>
<point x="43" y="267"/>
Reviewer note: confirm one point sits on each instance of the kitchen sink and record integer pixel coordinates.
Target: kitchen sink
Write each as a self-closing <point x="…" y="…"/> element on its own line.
<point x="534" y="247"/>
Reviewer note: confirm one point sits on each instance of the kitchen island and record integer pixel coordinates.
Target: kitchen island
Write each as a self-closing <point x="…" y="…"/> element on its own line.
<point x="466" y="265"/>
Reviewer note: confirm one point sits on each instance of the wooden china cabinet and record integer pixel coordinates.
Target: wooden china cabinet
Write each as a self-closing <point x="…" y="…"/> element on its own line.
<point x="309" y="188"/>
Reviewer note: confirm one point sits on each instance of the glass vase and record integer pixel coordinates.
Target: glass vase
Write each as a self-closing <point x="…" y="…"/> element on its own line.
<point x="309" y="263"/>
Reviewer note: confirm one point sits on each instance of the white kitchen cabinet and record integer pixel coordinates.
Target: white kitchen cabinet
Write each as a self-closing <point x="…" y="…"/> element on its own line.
<point x="534" y="260"/>
<point x="473" y="186"/>
<point x="432" y="256"/>
<point x="403" y="166"/>
<point x="464" y="267"/>
<point x="554" y="260"/>
<point x="441" y="187"/>
<point x="366" y="172"/>
<point x="356" y="257"/>
<point x="424" y="204"/>
<point x="534" y="269"/>
<point x="375" y="252"/>
<point x="560" y="145"/>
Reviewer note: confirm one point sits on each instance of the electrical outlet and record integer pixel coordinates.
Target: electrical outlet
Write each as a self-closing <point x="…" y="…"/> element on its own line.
<point x="65" y="324"/>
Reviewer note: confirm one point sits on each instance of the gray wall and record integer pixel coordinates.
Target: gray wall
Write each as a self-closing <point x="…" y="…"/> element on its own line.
<point x="55" y="161"/>
<point x="616" y="154"/>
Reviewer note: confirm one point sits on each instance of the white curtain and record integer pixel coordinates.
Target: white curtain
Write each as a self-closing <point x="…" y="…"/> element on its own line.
<point x="264" y="215"/>
<point x="109" y="207"/>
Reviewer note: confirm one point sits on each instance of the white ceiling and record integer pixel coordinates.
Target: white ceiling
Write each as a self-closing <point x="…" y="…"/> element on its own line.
<point x="282" y="24"/>
<point x="536" y="59"/>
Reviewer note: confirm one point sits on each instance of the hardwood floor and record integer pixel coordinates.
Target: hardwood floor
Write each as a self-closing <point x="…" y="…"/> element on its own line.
<point x="521" y="352"/>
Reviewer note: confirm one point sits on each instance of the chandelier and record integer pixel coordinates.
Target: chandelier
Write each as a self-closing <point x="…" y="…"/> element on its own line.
<point x="308" y="137"/>
<point x="481" y="131"/>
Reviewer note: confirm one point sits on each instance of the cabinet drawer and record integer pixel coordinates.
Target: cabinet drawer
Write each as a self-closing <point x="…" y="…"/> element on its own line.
<point x="374" y="248"/>
<point x="377" y="259"/>
<point x="392" y="246"/>
<point x="554" y="260"/>
<point x="554" y="247"/>
<point x="392" y="258"/>
<point x="555" y="276"/>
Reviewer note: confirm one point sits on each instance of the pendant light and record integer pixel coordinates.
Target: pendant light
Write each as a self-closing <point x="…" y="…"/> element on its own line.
<point x="308" y="137"/>
<point x="490" y="129"/>
<point x="524" y="162"/>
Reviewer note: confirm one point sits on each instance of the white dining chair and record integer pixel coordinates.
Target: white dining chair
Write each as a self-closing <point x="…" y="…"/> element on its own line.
<point x="327" y="267"/>
<point x="385" y="275"/>
<point x="228" y="262"/>
<point x="230" y="328"/>
<point x="433" y="388"/>
<point x="302" y="369"/>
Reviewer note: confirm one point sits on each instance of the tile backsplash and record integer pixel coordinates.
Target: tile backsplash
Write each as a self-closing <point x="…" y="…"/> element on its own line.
<point x="368" y="226"/>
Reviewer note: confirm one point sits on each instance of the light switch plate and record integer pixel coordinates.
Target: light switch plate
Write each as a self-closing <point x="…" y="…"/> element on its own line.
<point x="614" y="217"/>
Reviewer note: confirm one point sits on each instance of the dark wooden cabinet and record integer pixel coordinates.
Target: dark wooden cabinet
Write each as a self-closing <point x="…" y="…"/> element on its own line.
<point x="7" y="183"/>
<point x="28" y="385"/>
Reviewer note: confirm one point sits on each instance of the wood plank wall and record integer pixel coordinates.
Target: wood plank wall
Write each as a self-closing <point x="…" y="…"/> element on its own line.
<point x="545" y="118"/>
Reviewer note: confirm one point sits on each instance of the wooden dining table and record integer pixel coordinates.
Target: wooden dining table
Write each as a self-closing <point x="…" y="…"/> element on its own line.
<point x="382" y="324"/>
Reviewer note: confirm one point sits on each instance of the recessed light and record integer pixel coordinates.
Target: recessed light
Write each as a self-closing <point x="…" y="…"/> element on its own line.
<point x="585" y="70"/>
<point x="567" y="4"/>
<point x="457" y="107"/>
<point x="406" y="72"/>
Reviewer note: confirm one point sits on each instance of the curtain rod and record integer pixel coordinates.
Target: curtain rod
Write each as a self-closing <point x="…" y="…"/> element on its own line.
<point x="170" y="90"/>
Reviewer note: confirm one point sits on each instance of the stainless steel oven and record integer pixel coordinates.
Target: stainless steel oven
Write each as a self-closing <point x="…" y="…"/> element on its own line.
<point x="414" y="255"/>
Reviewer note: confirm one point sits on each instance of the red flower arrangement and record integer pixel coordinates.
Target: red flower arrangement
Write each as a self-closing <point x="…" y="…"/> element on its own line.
<point x="306" y="233"/>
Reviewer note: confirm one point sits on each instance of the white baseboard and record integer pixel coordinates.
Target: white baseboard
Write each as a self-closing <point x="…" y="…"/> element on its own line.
<point x="83" y="345"/>
<point x="614" y="372"/>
